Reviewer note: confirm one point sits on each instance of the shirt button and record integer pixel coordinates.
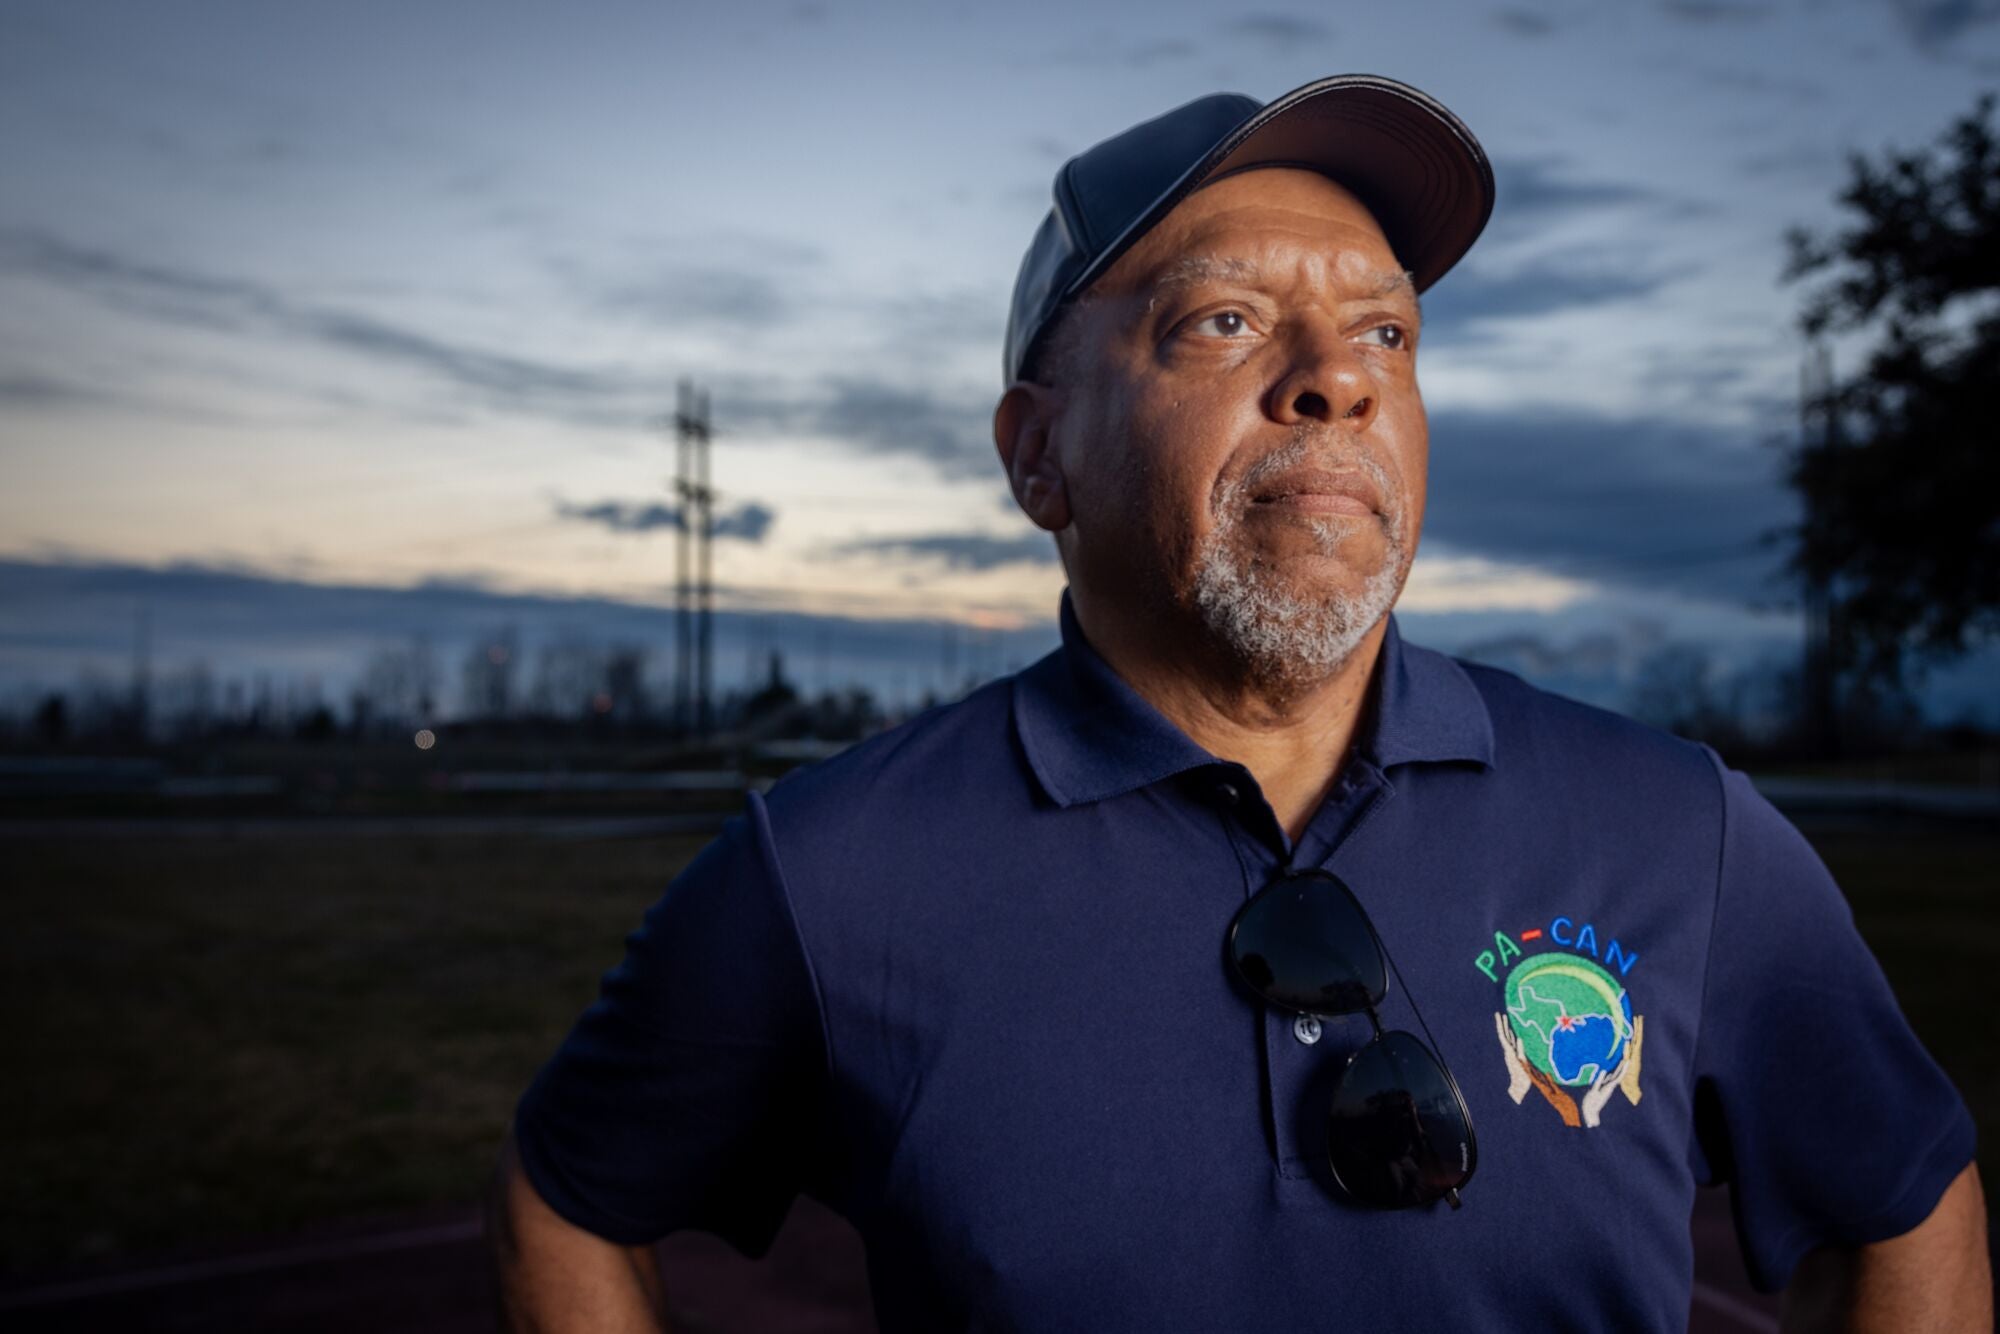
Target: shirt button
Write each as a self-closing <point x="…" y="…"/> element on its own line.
<point x="1306" y="1028"/>
<point x="1226" y="794"/>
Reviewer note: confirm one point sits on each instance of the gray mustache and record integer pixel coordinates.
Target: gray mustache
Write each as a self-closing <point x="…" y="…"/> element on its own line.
<point x="1307" y="446"/>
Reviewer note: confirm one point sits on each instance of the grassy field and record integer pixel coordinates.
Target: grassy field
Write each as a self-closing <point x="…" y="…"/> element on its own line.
<point x="1927" y="901"/>
<point x="217" y="1038"/>
<point x="214" y="1039"/>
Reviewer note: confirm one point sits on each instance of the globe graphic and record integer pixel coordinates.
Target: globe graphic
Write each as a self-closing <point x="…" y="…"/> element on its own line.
<point x="1572" y="1017"/>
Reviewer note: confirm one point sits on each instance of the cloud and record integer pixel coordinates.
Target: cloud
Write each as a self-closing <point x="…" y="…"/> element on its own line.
<point x="1717" y="11"/>
<point x="49" y="257"/>
<point x="1282" y="31"/>
<point x="744" y="280"/>
<point x="1477" y="295"/>
<point x="1523" y="22"/>
<point x="1536" y="194"/>
<point x="1160" y="51"/>
<point x="1799" y="158"/>
<point x="963" y="551"/>
<point x="157" y="291"/>
<point x="952" y="433"/>
<point x="748" y="522"/>
<point x="1535" y="188"/>
<point x="872" y="416"/>
<point x="1105" y="48"/>
<point x="492" y="373"/>
<point x="922" y="324"/>
<point x="1640" y="501"/>
<point x="574" y="394"/>
<point x="707" y="292"/>
<point x="27" y="389"/>
<point x="1767" y="83"/>
<point x="1935" y="23"/>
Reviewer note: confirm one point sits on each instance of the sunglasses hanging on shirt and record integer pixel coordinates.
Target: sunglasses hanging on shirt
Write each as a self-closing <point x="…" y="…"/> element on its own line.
<point x="1398" y="1132"/>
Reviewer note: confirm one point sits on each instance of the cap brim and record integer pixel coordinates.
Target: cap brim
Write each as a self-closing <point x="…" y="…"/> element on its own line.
<point x="1414" y="164"/>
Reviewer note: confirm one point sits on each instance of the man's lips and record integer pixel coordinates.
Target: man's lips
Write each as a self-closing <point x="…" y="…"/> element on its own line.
<point x="1319" y="491"/>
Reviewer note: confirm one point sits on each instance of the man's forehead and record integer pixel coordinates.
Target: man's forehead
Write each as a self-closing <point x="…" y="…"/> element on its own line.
<point x="1373" y="281"/>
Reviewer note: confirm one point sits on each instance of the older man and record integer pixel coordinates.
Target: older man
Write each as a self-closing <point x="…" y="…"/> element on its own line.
<point x="1073" y="995"/>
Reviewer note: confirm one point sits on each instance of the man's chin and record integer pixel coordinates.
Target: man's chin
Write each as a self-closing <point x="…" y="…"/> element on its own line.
<point x="1290" y="613"/>
<point x="1289" y="641"/>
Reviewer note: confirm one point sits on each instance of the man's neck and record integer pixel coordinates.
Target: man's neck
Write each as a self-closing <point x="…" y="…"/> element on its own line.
<point x="1294" y="738"/>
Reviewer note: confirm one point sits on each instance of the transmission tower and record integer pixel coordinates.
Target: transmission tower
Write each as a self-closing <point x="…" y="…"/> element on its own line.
<point x="1819" y="434"/>
<point x="694" y="565"/>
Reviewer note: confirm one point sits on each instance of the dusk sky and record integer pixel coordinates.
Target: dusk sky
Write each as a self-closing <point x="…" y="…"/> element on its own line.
<point x="390" y="295"/>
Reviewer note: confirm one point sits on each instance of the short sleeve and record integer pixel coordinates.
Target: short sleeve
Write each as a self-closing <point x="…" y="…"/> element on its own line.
<point x="688" y="1094"/>
<point x="1813" y="1098"/>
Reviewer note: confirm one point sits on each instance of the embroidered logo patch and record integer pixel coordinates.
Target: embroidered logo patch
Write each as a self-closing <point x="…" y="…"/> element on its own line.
<point x="1565" y="1027"/>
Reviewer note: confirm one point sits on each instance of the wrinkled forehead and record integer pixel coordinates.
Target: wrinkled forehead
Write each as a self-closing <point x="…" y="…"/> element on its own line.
<point x="1243" y="224"/>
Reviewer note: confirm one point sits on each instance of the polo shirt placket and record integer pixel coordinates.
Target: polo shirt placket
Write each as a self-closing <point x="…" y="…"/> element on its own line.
<point x="1303" y="1057"/>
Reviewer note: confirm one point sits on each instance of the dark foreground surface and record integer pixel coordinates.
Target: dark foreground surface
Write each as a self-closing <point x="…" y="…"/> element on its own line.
<point x="428" y="1276"/>
<point x="269" y="1075"/>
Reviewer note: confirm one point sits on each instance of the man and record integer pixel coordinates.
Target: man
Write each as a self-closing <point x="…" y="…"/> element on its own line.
<point x="1008" y="985"/>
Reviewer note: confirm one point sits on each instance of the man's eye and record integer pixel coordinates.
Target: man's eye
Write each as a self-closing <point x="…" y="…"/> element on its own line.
<point x="1391" y="336"/>
<point x="1220" y="319"/>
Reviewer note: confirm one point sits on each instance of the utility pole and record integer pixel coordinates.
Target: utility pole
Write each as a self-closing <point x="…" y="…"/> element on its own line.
<point x="1819" y="434"/>
<point x="705" y="589"/>
<point x="142" y="675"/>
<point x="694" y="565"/>
<point x="683" y="573"/>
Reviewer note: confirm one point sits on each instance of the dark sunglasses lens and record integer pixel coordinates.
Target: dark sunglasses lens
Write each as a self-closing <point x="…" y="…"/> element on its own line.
<point x="1304" y="943"/>
<point x="1398" y="1133"/>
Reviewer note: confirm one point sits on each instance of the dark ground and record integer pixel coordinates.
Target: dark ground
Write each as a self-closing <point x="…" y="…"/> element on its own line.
<point x="428" y="1277"/>
<point x="264" y="1077"/>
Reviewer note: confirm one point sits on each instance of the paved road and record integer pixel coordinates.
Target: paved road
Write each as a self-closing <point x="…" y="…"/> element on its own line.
<point x="428" y="1277"/>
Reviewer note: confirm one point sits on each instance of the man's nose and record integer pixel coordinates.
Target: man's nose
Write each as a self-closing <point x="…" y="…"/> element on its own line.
<point x="1328" y="381"/>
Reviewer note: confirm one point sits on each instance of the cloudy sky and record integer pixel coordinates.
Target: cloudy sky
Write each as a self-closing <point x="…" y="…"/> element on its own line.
<point x="394" y="295"/>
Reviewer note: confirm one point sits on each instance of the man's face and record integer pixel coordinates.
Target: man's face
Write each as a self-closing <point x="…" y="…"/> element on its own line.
<point x="1240" y="431"/>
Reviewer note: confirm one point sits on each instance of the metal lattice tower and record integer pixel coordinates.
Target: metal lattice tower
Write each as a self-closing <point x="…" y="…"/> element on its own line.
<point x="694" y="564"/>
<point x="1819" y="432"/>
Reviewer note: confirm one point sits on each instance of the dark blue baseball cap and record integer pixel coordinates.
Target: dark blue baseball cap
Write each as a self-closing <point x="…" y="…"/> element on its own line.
<point x="1399" y="151"/>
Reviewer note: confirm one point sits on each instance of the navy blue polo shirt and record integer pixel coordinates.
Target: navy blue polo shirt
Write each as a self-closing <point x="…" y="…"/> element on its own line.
<point x="965" y="982"/>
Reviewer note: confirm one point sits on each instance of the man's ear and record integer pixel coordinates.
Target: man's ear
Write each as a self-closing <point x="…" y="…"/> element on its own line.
<point x="1021" y="431"/>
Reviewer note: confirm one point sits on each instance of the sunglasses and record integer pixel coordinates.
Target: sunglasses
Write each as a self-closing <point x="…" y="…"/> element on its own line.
<point x="1398" y="1133"/>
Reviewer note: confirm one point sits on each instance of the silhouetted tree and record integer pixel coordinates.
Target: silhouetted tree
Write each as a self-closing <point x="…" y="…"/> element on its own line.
<point x="400" y="686"/>
<point x="1902" y="510"/>
<point x="776" y="698"/>
<point x="488" y="675"/>
<point x="52" y="720"/>
<point x="317" y="724"/>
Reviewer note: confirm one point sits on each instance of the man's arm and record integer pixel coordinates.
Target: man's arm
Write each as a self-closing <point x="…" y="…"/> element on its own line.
<point x="1934" y="1277"/>
<point x="554" y="1277"/>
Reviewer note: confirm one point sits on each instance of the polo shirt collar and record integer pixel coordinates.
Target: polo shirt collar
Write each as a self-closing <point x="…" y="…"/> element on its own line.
<point x="1088" y="735"/>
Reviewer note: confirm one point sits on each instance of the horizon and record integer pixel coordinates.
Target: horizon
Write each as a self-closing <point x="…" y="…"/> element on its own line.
<point x="96" y="627"/>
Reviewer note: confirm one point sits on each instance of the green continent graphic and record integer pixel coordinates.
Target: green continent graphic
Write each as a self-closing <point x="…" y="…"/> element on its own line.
<point x="1572" y="1017"/>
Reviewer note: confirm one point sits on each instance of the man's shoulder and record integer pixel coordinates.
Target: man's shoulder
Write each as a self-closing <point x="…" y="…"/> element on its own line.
<point x="951" y="752"/>
<point x="1556" y="739"/>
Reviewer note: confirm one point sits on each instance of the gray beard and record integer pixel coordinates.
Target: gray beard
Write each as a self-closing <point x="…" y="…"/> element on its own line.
<point x="1282" y="639"/>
